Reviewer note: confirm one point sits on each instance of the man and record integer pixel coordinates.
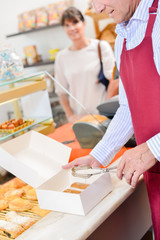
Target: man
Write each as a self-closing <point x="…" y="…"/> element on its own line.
<point x="137" y="53"/>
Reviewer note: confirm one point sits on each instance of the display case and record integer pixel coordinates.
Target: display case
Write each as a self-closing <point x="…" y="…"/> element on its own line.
<point x="25" y="105"/>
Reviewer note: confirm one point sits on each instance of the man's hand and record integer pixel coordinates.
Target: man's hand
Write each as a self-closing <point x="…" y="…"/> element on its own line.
<point x="86" y="160"/>
<point x="135" y="162"/>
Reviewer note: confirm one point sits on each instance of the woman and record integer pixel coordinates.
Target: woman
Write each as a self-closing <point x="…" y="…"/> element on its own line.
<point x="78" y="66"/>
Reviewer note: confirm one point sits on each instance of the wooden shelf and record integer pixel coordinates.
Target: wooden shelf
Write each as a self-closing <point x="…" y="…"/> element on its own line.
<point x="41" y="63"/>
<point x="34" y="30"/>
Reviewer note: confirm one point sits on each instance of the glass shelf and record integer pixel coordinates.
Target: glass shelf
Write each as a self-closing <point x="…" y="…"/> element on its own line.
<point x="27" y="77"/>
<point x="34" y="30"/>
<point x="5" y="136"/>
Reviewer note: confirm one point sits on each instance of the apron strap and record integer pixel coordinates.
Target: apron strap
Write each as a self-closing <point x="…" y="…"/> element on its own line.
<point x="152" y="17"/>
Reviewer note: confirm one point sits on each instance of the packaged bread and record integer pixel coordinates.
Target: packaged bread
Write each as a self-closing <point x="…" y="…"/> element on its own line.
<point x="13" y="194"/>
<point x="9" y="229"/>
<point x="40" y="212"/>
<point x="20" y="205"/>
<point x="3" y="204"/>
<point x="72" y="191"/>
<point x="79" y="185"/>
<point x="25" y="222"/>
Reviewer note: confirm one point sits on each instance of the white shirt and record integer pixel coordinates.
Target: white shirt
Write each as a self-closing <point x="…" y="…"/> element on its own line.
<point x="78" y="72"/>
<point x="121" y="129"/>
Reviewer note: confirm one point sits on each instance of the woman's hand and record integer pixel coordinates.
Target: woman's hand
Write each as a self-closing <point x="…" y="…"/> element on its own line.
<point x="86" y="160"/>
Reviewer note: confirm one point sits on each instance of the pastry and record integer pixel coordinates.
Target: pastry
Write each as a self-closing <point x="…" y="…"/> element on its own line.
<point x="9" y="229"/>
<point x="10" y="195"/>
<point x="79" y="185"/>
<point x="3" y="204"/>
<point x="20" y="205"/>
<point x="27" y="188"/>
<point x="72" y="191"/>
<point x="31" y="194"/>
<point x="14" y="184"/>
<point x="40" y="212"/>
<point x="25" y="222"/>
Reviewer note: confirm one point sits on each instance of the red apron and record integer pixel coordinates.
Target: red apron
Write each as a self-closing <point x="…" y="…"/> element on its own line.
<point x="142" y="86"/>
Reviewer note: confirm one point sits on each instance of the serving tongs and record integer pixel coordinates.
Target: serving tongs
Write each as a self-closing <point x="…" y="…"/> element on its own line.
<point x="86" y="171"/>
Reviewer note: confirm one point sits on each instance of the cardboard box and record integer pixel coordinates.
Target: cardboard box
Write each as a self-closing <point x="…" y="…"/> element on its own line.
<point x="37" y="160"/>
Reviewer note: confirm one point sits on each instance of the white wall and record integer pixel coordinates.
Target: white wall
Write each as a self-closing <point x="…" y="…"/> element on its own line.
<point x="44" y="40"/>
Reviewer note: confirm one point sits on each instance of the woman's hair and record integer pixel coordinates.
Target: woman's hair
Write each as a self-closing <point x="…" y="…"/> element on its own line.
<point x="72" y="14"/>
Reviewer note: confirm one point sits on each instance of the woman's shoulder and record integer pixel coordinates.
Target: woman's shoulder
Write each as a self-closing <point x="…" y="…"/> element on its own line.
<point x="62" y="52"/>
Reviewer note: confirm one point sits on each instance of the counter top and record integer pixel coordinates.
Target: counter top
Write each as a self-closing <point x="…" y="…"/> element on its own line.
<point x="60" y="226"/>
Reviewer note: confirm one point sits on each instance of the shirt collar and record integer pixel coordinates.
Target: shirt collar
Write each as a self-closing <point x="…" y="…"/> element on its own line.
<point x="141" y="13"/>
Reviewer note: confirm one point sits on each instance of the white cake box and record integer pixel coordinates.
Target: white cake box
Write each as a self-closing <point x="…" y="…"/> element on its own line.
<point x="38" y="160"/>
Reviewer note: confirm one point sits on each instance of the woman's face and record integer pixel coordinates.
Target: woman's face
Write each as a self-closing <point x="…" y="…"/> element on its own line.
<point x="74" y="30"/>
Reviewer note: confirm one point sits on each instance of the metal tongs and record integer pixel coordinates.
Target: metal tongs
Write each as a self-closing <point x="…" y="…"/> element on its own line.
<point x="86" y="171"/>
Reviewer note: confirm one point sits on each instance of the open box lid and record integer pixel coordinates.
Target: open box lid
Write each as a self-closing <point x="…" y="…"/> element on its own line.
<point x="33" y="157"/>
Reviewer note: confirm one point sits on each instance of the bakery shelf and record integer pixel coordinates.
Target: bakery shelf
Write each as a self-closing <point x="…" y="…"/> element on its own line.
<point x="41" y="63"/>
<point x="5" y="136"/>
<point x="34" y="30"/>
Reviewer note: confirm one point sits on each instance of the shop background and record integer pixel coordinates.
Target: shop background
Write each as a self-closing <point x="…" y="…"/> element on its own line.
<point x="45" y="39"/>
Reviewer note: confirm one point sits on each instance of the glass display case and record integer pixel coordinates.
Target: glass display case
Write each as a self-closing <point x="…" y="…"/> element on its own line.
<point x="25" y="105"/>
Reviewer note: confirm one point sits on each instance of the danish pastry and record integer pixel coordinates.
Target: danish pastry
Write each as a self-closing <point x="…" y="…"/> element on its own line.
<point x="72" y="191"/>
<point x="20" y="205"/>
<point x="9" y="229"/>
<point x="79" y="185"/>
<point x="40" y="212"/>
<point x="25" y="222"/>
<point x="3" y="204"/>
<point x="10" y="195"/>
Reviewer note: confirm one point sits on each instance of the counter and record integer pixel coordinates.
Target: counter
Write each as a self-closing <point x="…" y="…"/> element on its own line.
<point x="123" y="214"/>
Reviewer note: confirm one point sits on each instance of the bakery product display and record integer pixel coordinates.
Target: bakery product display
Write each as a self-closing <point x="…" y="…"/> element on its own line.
<point x="20" y="205"/>
<point x="40" y="212"/>
<point x="25" y="222"/>
<point x="79" y="185"/>
<point x="3" y="204"/>
<point x="9" y="229"/>
<point x="13" y="194"/>
<point x="14" y="125"/>
<point x="72" y="191"/>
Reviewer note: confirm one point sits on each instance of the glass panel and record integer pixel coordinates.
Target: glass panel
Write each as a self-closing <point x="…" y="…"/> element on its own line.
<point x="29" y="77"/>
<point x="88" y="125"/>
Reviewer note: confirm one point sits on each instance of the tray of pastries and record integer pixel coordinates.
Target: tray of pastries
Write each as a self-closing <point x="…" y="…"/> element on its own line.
<point x="14" y="125"/>
<point x="19" y="208"/>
